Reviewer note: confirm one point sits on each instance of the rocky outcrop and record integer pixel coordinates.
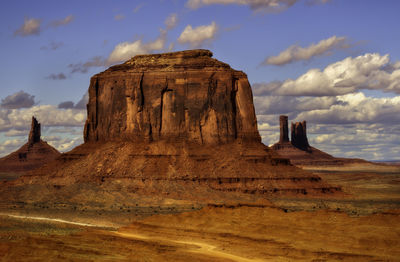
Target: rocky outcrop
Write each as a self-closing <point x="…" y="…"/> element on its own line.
<point x="173" y="123"/>
<point x="299" y="136"/>
<point x="35" y="153"/>
<point x="184" y="95"/>
<point x="34" y="134"/>
<point x="284" y="130"/>
<point x="298" y="150"/>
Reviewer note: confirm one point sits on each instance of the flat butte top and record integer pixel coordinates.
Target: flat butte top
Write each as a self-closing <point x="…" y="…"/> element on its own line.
<point x="198" y="59"/>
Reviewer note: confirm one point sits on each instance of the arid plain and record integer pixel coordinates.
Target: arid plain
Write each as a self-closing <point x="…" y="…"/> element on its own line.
<point x="173" y="169"/>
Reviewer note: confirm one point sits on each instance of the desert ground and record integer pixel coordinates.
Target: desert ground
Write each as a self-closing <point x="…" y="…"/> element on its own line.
<point x="362" y="224"/>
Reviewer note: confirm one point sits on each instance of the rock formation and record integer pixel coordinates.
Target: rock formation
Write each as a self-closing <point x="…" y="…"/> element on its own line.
<point x="175" y="123"/>
<point x="299" y="136"/>
<point x="298" y="150"/>
<point x="175" y="96"/>
<point x="34" y="134"/>
<point x="284" y="131"/>
<point x="35" y="153"/>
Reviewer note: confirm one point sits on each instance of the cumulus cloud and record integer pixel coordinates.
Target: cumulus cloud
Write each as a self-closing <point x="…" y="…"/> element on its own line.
<point x="197" y="36"/>
<point x="357" y="108"/>
<point x="81" y="104"/>
<point x="48" y="115"/>
<point x="368" y="141"/>
<point x="31" y="26"/>
<point x="297" y="53"/>
<point x="126" y="50"/>
<point x="369" y="71"/>
<point x="66" y="105"/>
<point x="290" y="104"/>
<point x="342" y="120"/>
<point x="83" y="68"/>
<point x="17" y="132"/>
<point x="171" y="21"/>
<point x="62" y="143"/>
<point x="18" y="100"/>
<point x="10" y="145"/>
<point x="256" y="5"/>
<point x="62" y="22"/>
<point x="59" y="76"/>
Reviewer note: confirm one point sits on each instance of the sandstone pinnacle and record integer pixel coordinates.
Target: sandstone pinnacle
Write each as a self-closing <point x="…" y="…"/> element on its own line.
<point x="299" y="135"/>
<point x="284" y="130"/>
<point x="34" y="134"/>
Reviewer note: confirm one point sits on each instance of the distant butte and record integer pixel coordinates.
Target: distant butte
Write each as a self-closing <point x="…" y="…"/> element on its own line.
<point x="176" y="120"/>
<point x="35" y="153"/>
<point x="298" y="150"/>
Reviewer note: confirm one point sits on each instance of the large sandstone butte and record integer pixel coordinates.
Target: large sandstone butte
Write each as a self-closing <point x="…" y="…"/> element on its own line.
<point x="35" y="153"/>
<point x="299" y="151"/>
<point x="175" y="96"/>
<point x="174" y="123"/>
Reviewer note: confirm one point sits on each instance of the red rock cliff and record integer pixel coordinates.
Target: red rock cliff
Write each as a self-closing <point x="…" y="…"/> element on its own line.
<point x="183" y="95"/>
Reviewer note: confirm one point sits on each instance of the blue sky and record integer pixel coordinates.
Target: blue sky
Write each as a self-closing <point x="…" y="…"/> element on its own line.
<point x="44" y="41"/>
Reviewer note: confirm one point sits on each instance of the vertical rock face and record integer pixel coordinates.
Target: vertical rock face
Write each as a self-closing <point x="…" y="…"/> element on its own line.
<point x="183" y="95"/>
<point x="34" y="134"/>
<point x="33" y="154"/>
<point x="299" y="135"/>
<point x="284" y="129"/>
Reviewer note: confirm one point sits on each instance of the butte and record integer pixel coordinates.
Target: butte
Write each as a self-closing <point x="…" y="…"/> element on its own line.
<point x="299" y="151"/>
<point x="165" y="123"/>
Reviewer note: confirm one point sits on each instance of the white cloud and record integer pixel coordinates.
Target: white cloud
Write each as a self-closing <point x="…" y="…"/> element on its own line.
<point x="64" y="144"/>
<point x="18" y="100"/>
<point x="342" y="120"/>
<point x="171" y="21"/>
<point x="126" y="50"/>
<point x="271" y="104"/>
<point x="256" y="5"/>
<point x="198" y="35"/>
<point x="16" y="132"/>
<point x="369" y="71"/>
<point x="48" y="115"/>
<point x="62" y="22"/>
<point x="10" y="145"/>
<point x="357" y="108"/>
<point x="31" y="26"/>
<point x="297" y="53"/>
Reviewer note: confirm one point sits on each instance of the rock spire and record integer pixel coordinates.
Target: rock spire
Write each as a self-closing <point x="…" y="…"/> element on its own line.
<point x="34" y="134"/>
<point x="299" y="135"/>
<point x="284" y="130"/>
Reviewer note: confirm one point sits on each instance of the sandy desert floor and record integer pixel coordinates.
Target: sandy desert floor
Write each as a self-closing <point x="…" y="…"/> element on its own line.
<point x="363" y="225"/>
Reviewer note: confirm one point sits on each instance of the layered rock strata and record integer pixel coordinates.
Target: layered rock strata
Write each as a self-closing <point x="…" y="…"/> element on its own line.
<point x="35" y="153"/>
<point x="172" y="123"/>
<point x="175" y="96"/>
